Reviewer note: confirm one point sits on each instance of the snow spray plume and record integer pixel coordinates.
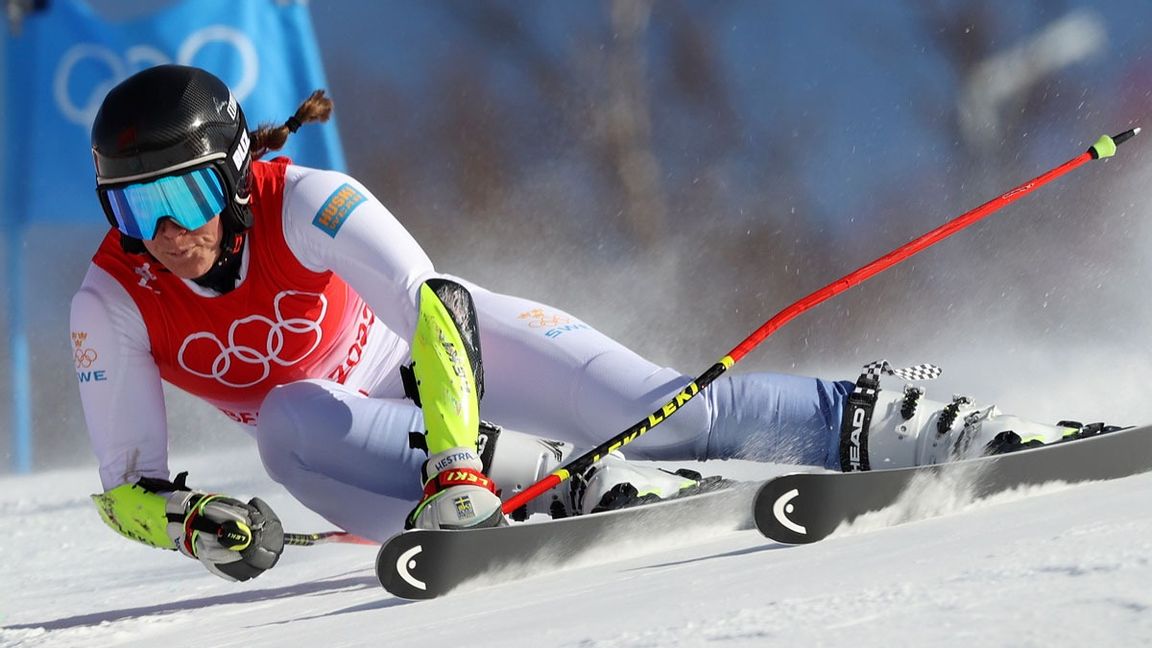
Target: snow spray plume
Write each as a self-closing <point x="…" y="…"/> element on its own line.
<point x="1103" y="148"/>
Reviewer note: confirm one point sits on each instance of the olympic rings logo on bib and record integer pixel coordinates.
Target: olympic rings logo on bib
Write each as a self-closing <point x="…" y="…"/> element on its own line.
<point x="254" y="344"/>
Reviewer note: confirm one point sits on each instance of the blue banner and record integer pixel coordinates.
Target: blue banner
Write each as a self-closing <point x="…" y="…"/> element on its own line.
<point x="66" y="58"/>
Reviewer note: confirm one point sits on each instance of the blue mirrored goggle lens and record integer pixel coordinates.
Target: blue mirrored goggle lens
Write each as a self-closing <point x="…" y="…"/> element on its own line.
<point x="191" y="199"/>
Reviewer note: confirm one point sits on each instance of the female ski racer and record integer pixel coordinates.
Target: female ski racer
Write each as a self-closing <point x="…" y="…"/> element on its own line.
<point x="293" y="301"/>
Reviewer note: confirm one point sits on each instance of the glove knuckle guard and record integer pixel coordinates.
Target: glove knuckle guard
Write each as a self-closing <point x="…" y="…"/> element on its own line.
<point x="268" y="536"/>
<point x="262" y="551"/>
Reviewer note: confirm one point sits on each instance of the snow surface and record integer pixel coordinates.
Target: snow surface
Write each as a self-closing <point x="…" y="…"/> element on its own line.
<point x="1054" y="566"/>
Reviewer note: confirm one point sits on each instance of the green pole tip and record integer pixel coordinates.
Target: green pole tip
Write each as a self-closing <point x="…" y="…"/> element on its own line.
<point x="1105" y="147"/>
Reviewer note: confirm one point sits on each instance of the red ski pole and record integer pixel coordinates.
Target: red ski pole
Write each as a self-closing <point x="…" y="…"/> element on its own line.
<point x="1103" y="148"/>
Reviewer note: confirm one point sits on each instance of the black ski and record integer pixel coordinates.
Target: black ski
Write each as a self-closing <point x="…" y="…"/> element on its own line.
<point x="424" y="564"/>
<point x="800" y="508"/>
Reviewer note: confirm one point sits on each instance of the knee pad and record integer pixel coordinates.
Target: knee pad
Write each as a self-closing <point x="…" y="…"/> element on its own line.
<point x="447" y="374"/>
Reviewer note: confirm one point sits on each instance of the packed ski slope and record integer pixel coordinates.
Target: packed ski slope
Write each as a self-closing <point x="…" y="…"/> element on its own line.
<point x="1054" y="566"/>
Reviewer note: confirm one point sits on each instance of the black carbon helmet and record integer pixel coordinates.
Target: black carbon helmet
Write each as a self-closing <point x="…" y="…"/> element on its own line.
<point x="171" y="118"/>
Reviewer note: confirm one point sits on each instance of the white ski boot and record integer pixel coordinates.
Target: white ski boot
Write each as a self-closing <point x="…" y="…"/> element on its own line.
<point x="516" y="460"/>
<point x="884" y="429"/>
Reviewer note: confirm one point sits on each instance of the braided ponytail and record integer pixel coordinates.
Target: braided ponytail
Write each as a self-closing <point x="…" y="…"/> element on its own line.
<point x="316" y="108"/>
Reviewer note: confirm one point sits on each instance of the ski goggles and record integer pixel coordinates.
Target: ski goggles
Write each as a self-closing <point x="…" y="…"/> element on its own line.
<point x="191" y="199"/>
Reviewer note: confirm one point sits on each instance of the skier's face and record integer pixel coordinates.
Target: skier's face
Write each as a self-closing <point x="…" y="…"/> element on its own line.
<point x="188" y="254"/>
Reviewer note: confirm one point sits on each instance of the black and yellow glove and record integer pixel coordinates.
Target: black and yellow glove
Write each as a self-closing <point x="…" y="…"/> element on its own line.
<point x="233" y="540"/>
